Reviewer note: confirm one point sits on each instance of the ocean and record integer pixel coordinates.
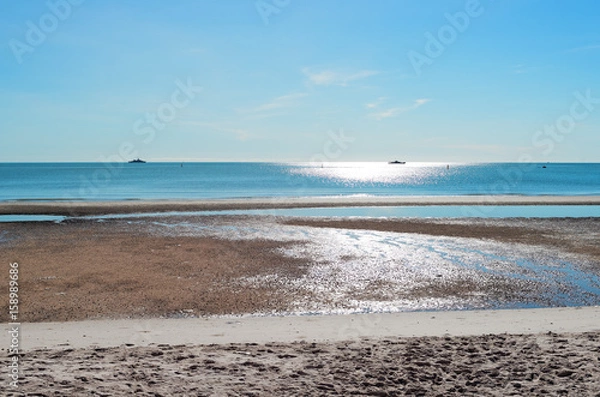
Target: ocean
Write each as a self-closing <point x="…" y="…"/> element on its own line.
<point x="117" y="181"/>
<point x="344" y="261"/>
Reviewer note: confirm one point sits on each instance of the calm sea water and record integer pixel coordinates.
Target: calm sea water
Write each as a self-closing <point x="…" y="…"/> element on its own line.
<point x="100" y="181"/>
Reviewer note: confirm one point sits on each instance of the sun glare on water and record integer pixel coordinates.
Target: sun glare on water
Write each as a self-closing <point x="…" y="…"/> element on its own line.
<point x="372" y="173"/>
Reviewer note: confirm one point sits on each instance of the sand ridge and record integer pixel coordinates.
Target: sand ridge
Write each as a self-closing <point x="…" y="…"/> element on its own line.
<point x="82" y="208"/>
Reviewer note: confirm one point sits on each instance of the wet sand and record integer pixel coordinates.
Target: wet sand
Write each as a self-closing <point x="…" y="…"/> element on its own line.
<point x="581" y="236"/>
<point x="83" y="208"/>
<point x="85" y="269"/>
<point x="82" y="270"/>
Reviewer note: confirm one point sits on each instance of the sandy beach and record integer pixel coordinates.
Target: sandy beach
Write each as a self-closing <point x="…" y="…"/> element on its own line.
<point x="468" y="355"/>
<point x="208" y="305"/>
<point x="316" y="328"/>
<point x="83" y="208"/>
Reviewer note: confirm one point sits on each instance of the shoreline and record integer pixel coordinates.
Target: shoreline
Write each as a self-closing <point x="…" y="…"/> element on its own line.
<point x="83" y="208"/>
<point x="308" y="328"/>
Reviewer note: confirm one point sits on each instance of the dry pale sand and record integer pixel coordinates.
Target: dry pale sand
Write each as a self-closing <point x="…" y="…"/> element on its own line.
<point x="486" y="365"/>
<point x="81" y="208"/>
<point x="310" y="328"/>
<point x="115" y="270"/>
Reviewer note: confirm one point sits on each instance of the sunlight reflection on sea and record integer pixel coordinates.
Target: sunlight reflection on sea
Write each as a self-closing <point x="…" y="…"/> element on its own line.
<point x="354" y="174"/>
<point x="354" y="271"/>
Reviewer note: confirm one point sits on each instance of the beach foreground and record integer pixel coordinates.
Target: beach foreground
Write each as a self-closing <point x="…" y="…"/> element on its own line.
<point x="486" y="365"/>
<point x="160" y="306"/>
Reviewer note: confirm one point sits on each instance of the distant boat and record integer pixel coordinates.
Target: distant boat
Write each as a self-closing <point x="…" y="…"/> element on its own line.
<point x="137" y="161"/>
<point x="397" y="162"/>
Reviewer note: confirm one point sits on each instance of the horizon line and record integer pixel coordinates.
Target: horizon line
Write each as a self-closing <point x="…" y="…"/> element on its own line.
<point x="298" y="162"/>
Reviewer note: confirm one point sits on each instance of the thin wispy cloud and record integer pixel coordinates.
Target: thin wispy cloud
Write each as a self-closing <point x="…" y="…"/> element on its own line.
<point x="276" y="107"/>
<point x="331" y="77"/>
<point x="240" y="133"/>
<point x="284" y="101"/>
<point x="482" y="148"/>
<point x="378" y="102"/>
<point x="585" y="48"/>
<point x="195" y="50"/>
<point x="395" y="111"/>
<point x="522" y="69"/>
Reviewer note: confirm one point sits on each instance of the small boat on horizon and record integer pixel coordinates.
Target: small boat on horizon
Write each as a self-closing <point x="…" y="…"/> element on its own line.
<point x="397" y="162"/>
<point x="138" y="160"/>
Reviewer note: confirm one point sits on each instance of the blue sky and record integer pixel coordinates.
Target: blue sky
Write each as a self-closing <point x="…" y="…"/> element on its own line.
<point x="291" y="80"/>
